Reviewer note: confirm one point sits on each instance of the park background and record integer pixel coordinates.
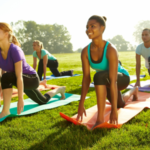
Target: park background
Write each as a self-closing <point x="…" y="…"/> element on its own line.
<point x="61" y="26"/>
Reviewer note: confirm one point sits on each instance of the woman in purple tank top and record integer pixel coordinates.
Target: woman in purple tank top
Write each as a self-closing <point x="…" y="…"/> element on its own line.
<point x="14" y="71"/>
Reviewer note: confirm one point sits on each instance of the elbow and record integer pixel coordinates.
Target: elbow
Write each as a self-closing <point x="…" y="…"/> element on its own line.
<point x="138" y="65"/>
<point x="86" y="79"/>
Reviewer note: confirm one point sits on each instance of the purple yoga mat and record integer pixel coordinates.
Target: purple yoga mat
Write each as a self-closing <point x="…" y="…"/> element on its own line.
<point x="142" y="89"/>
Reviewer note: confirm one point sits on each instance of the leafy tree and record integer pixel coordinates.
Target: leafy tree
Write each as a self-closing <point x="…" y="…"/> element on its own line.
<point x="120" y="43"/>
<point x="55" y="38"/>
<point x="139" y="28"/>
<point x="79" y="50"/>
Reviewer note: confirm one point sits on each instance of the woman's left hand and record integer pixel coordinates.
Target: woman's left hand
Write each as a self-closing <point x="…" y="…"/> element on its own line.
<point x="114" y="117"/>
<point x="20" y="106"/>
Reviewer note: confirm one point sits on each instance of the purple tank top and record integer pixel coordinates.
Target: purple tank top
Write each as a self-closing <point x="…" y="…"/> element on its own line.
<point x="15" y="54"/>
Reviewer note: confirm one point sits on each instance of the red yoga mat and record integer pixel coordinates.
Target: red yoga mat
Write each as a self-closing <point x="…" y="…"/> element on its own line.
<point x="131" y="109"/>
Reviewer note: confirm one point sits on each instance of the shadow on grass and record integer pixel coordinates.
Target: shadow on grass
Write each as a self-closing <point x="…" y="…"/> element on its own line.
<point x="69" y="136"/>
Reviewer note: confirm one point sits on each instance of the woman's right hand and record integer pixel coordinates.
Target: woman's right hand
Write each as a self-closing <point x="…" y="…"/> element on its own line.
<point x="81" y="110"/>
<point x="137" y="83"/>
<point x="114" y="117"/>
<point x="20" y="106"/>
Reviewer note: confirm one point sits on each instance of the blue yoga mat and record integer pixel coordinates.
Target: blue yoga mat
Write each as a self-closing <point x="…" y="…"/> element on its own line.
<point x="53" y="77"/>
<point x="31" y="107"/>
<point x="133" y="77"/>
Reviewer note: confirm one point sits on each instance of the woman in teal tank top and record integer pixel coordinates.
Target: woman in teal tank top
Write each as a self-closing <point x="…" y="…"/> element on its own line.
<point x="46" y="60"/>
<point x="110" y="77"/>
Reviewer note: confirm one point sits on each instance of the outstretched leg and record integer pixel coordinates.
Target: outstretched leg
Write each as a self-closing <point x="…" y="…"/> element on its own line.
<point x="60" y="90"/>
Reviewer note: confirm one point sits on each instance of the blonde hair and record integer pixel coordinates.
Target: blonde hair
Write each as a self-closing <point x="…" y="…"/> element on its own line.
<point x="7" y="28"/>
<point x="39" y="43"/>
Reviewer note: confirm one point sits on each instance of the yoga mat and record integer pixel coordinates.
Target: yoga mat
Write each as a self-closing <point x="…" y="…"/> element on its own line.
<point x="31" y="107"/>
<point x="132" y="77"/>
<point x="40" y="88"/>
<point x="131" y="109"/>
<point x="145" y="86"/>
<point x="53" y="77"/>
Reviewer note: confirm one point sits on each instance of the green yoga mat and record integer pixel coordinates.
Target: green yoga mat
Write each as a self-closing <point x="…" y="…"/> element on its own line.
<point x="31" y="107"/>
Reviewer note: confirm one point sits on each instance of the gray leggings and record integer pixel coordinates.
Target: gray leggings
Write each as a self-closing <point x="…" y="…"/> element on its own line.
<point x="31" y="83"/>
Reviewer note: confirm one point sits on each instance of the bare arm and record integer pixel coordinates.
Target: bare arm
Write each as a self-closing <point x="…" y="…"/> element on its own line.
<point x="138" y="68"/>
<point x="86" y="74"/>
<point x="85" y="83"/>
<point x="1" y="73"/>
<point x="112" y="57"/>
<point x="34" y="63"/>
<point x="18" y="72"/>
<point x="45" y="60"/>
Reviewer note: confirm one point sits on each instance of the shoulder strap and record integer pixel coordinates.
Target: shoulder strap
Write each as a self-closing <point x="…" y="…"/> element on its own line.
<point x="105" y="48"/>
<point x="88" y="50"/>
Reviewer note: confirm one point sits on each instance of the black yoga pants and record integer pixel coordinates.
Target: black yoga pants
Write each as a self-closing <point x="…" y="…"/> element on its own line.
<point x="102" y="78"/>
<point x="31" y="83"/>
<point x="52" y="65"/>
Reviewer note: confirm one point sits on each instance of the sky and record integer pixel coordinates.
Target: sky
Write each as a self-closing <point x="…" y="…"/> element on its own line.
<point x="122" y="15"/>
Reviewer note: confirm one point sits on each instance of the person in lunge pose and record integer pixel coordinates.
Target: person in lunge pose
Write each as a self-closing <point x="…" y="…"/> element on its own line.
<point x="110" y="77"/>
<point x="144" y="50"/>
<point x="46" y="60"/>
<point x="14" y="70"/>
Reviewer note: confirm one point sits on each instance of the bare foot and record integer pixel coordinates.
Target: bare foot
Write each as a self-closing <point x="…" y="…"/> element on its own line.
<point x="2" y="114"/>
<point x="62" y="92"/>
<point x="96" y="124"/>
<point x="135" y="94"/>
<point x="43" y="83"/>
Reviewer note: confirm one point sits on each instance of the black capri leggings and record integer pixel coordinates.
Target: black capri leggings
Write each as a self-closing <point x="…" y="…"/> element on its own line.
<point x="52" y="65"/>
<point x="31" y="83"/>
<point x="102" y="78"/>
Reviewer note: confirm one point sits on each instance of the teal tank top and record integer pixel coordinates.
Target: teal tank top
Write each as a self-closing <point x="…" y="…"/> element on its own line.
<point x="104" y="65"/>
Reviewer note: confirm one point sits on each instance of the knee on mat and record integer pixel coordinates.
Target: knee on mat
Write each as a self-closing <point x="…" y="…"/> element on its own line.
<point x="121" y="105"/>
<point x="45" y="100"/>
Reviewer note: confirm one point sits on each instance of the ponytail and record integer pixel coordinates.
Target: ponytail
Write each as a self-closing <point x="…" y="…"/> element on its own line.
<point x="42" y="47"/>
<point x="7" y="28"/>
<point x="15" y="41"/>
<point x="39" y="43"/>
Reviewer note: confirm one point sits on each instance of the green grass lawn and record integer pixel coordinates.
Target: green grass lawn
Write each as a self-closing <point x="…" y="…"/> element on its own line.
<point x="46" y="130"/>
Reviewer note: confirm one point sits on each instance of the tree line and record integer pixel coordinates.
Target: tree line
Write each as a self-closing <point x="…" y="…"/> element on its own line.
<point x="56" y="38"/>
<point x="121" y="44"/>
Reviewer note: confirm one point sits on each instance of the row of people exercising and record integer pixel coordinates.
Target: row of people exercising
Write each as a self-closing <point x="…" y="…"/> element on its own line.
<point x="109" y="80"/>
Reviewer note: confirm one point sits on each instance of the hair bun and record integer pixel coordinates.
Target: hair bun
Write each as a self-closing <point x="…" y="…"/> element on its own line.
<point x="104" y="18"/>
